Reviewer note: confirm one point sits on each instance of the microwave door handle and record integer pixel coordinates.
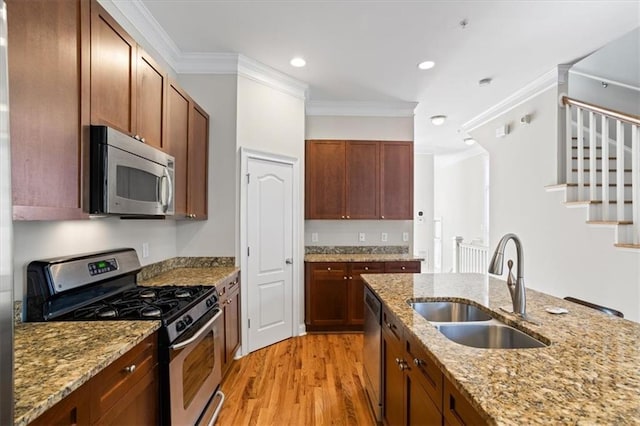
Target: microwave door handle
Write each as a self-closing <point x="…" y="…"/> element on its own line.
<point x="170" y="184"/>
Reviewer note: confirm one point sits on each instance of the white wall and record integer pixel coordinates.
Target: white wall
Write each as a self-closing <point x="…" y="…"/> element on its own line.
<point x="563" y="256"/>
<point x="338" y="233"/>
<point x="42" y="240"/>
<point x="613" y="96"/>
<point x="217" y="94"/>
<point x="423" y="201"/>
<point x="459" y="201"/>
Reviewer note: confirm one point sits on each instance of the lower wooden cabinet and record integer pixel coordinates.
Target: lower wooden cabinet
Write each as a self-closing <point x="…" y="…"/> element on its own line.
<point x="415" y="391"/>
<point x="125" y="392"/>
<point x="230" y="305"/>
<point x="334" y="292"/>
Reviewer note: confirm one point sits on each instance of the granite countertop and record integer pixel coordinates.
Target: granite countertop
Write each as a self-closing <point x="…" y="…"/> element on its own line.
<point x="590" y="373"/>
<point x="52" y="359"/>
<point x="360" y="257"/>
<point x="191" y="276"/>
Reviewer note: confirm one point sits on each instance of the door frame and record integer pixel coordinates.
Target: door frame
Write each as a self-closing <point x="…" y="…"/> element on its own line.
<point x="247" y="154"/>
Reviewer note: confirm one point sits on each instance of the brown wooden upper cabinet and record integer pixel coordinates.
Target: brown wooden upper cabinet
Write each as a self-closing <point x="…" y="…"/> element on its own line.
<point x="95" y="74"/>
<point x="113" y="73"/>
<point x="187" y="140"/>
<point x="358" y="180"/>
<point x="48" y="48"/>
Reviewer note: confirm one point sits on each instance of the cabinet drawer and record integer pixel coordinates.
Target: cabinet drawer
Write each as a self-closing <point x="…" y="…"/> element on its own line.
<point x="457" y="410"/>
<point x="430" y="375"/>
<point x="392" y="327"/>
<point x="228" y="286"/>
<point x="109" y="386"/>
<point x="367" y="268"/>
<point x="410" y="266"/>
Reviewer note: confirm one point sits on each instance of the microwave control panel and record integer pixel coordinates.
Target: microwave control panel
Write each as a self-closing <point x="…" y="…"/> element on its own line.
<point x="103" y="266"/>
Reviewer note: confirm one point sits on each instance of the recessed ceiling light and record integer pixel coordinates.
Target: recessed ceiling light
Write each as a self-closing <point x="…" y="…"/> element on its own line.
<point x="438" y="120"/>
<point x="298" y="62"/>
<point x="426" y="65"/>
<point x="469" y="141"/>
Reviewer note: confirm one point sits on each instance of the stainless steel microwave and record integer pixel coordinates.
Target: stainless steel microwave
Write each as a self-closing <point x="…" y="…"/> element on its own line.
<point x="127" y="177"/>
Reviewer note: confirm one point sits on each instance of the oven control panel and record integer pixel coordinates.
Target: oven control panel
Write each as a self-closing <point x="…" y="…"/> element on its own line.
<point x="102" y="266"/>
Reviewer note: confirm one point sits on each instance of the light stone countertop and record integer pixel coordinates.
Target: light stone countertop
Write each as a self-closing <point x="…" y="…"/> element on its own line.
<point x="52" y="359"/>
<point x="353" y="257"/>
<point x="590" y="374"/>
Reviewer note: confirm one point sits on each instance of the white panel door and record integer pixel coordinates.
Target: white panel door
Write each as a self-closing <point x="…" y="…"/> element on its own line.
<point x="270" y="248"/>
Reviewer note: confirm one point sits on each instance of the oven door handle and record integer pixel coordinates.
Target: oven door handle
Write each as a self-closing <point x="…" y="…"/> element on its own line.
<point x="199" y="333"/>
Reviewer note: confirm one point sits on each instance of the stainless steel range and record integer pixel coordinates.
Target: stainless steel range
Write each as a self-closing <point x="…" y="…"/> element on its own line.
<point x="102" y="286"/>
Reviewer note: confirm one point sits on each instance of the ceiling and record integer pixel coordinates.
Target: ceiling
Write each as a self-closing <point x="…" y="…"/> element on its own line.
<point x="368" y="50"/>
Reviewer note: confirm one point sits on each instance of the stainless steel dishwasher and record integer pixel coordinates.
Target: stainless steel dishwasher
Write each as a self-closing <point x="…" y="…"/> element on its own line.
<point x="372" y="356"/>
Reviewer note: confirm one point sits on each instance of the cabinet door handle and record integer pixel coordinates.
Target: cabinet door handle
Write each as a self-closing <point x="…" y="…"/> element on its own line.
<point x="382" y="217"/>
<point x="142" y="140"/>
<point x="417" y="362"/>
<point x="345" y="277"/>
<point x="403" y="267"/>
<point x="403" y="366"/>
<point x="398" y="360"/>
<point x="130" y="369"/>
<point x="391" y="326"/>
<point x="342" y="217"/>
<point x="288" y="261"/>
<point x="366" y="268"/>
<point x="328" y="269"/>
<point x="348" y="217"/>
<point x="350" y="278"/>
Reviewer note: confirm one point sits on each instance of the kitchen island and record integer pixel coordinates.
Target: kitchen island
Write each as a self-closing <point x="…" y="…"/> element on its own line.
<point x="589" y="373"/>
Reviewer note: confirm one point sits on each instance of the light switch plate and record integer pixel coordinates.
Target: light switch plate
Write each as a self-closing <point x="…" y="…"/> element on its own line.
<point x="384" y="237"/>
<point x="405" y="236"/>
<point x="314" y="237"/>
<point x="361" y="236"/>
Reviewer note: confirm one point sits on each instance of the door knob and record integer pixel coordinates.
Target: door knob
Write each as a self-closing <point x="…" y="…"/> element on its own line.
<point x="288" y="261"/>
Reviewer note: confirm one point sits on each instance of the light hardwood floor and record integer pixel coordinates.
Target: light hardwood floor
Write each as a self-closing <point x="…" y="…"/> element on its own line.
<point x="310" y="380"/>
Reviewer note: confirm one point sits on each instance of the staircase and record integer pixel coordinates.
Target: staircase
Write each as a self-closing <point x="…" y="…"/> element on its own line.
<point x="602" y="153"/>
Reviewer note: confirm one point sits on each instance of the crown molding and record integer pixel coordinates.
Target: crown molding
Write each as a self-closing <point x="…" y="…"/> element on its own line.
<point x="361" y="109"/>
<point x="203" y="63"/>
<point x="139" y="16"/>
<point x="551" y="78"/>
<point x="604" y="80"/>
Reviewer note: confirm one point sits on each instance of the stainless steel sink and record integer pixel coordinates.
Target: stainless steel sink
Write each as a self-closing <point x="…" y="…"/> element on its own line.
<point x="449" y="311"/>
<point x="489" y="336"/>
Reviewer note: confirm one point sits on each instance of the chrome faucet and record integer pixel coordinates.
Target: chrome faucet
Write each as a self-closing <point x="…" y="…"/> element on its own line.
<point x="517" y="291"/>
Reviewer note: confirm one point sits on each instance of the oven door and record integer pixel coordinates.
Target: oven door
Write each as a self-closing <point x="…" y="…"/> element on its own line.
<point x="195" y="372"/>
<point x="136" y="185"/>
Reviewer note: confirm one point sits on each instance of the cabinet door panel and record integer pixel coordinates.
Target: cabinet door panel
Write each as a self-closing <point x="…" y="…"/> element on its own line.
<point x="197" y="163"/>
<point x="151" y="90"/>
<point x="177" y="139"/>
<point x="113" y="71"/>
<point x="328" y="294"/>
<point x="356" y="289"/>
<point x="73" y="410"/>
<point x="457" y="410"/>
<point x="48" y="110"/>
<point x="396" y="180"/>
<point x="362" y="180"/>
<point x="393" y="382"/>
<point x="421" y="410"/>
<point x="325" y="180"/>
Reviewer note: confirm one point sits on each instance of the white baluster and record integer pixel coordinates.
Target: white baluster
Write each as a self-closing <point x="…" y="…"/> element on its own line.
<point x="605" y="167"/>
<point x="620" y="171"/>
<point x="569" y="143"/>
<point x="580" y="154"/>
<point x="456" y="253"/>
<point x="592" y="156"/>
<point x="635" y="181"/>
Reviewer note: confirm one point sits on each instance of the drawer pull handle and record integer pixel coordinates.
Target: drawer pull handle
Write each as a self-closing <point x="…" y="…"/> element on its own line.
<point x="398" y="360"/>
<point x="366" y="268"/>
<point x="403" y="267"/>
<point x="228" y="302"/>
<point x="345" y="277"/>
<point x="418" y="362"/>
<point x="130" y="369"/>
<point x="391" y="326"/>
<point x="328" y="269"/>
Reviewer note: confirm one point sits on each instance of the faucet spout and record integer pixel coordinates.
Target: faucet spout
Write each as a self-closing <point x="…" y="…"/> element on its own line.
<point x="517" y="292"/>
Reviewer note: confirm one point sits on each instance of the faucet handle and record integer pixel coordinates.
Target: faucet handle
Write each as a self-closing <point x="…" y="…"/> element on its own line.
<point x="511" y="281"/>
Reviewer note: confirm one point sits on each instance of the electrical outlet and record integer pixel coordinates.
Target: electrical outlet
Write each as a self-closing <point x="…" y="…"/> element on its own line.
<point x="145" y="250"/>
<point x="405" y="236"/>
<point x="314" y="237"/>
<point x="361" y="236"/>
<point x="384" y="237"/>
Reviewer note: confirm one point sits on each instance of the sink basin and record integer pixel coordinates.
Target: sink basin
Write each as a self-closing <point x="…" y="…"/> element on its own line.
<point x="449" y="311"/>
<point x="489" y="336"/>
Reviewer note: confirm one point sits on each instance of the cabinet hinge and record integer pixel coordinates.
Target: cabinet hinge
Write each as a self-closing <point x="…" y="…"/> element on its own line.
<point x="248" y="177"/>
<point x="248" y="251"/>
<point x="249" y="322"/>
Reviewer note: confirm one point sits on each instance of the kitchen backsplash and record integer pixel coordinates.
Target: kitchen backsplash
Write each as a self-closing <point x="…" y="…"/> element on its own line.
<point x="158" y="268"/>
<point x="356" y="250"/>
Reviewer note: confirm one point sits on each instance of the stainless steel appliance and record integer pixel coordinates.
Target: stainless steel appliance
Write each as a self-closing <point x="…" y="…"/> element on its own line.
<point x="6" y="237"/>
<point x="128" y="177"/>
<point x="102" y="286"/>
<point x="373" y="352"/>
